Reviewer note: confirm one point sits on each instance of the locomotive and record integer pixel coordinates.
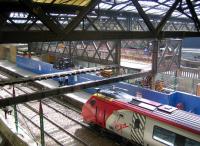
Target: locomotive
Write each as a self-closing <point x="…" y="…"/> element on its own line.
<point x="140" y="120"/>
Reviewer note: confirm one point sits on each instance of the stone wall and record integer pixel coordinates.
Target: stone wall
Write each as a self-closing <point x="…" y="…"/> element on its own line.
<point x="8" y="52"/>
<point x="12" y="138"/>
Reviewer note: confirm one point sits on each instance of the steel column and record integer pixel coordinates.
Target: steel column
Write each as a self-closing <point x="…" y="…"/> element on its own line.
<point x="154" y="61"/>
<point x="70" y="51"/>
<point x="175" y="80"/>
<point x="117" y="57"/>
<point x="41" y="124"/>
<point x="117" y="52"/>
<point x="179" y="56"/>
<point x="15" y="110"/>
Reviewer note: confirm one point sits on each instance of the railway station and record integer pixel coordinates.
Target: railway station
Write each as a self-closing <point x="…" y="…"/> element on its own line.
<point x="99" y="72"/>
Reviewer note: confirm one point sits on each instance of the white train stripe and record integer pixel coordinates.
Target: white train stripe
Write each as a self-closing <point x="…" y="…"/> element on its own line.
<point x="141" y="119"/>
<point x="134" y="132"/>
<point x="139" y="133"/>
<point x="137" y="139"/>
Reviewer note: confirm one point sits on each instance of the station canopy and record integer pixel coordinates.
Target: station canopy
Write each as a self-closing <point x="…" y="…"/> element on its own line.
<point x="110" y="19"/>
<point x="153" y="7"/>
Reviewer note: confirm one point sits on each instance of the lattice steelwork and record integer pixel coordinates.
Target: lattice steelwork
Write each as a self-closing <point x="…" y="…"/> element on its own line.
<point x="102" y="52"/>
<point x="97" y="20"/>
<point x="169" y="55"/>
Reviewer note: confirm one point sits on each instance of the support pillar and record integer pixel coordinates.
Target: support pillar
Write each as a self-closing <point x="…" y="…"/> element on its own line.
<point x="70" y="51"/>
<point x="198" y="89"/>
<point x="178" y="70"/>
<point x="175" y="80"/>
<point x="154" y="62"/>
<point x="15" y="110"/>
<point x="30" y="46"/>
<point x="117" y="58"/>
<point x="41" y="124"/>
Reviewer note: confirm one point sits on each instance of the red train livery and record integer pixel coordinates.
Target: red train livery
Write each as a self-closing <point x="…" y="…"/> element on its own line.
<point x="142" y="121"/>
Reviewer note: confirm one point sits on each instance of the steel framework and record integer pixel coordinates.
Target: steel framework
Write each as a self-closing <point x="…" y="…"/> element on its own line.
<point x="67" y="89"/>
<point x="54" y="75"/>
<point x="105" y="22"/>
<point x="98" y="20"/>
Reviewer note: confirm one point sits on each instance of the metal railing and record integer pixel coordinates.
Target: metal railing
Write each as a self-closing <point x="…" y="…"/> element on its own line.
<point x="186" y="72"/>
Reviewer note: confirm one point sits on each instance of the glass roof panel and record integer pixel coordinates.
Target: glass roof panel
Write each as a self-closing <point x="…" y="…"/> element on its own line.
<point x="147" y="4"/>
<point x="117" y="7"/>
<point x="104" y="6"/>
<point x="156" y="12"/>
<point x="130" y="8"/>
<point x="66" y="2"/>
<point x="157" y="7"/>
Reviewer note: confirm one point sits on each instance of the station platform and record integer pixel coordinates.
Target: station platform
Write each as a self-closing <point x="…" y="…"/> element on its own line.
<point x="143" y="66"/>
<point x="79" y="96"/>
<point x="20" y="137"/>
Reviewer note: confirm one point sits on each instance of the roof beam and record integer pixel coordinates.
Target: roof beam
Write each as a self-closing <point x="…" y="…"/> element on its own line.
<point x="167" y="16"/>
<point x="15" y="6"/>
<point x="67" y="89"/>
<point x="194" y="14"/>
<point x="2" y="19"/>
<point x="144" y="16"/>
<point x="47" y="20"/>
<point x="75" y="22"/>
<point x="54" y="75"/>
<point x="46" y="36"/>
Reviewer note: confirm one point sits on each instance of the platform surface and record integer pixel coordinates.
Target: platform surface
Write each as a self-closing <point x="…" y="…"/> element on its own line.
<point x="80" y="96"/>
<point x="136" y="64"/>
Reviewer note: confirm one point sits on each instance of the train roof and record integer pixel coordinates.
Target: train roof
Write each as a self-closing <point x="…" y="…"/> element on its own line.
<point x="169" y="114"/>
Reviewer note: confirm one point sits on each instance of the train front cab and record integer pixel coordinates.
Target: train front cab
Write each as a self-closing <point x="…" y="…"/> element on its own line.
<point x="160" y="134"/>
<point x="97" y="109"/>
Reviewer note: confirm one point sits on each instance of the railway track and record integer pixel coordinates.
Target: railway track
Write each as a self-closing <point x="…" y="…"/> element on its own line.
<point x="63" y="124"/>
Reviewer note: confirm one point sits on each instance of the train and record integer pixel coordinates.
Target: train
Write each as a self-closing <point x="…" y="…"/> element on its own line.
<point x="152" y="119"/>
<point x="189" y="102"/>
<point x="141" y="121"/>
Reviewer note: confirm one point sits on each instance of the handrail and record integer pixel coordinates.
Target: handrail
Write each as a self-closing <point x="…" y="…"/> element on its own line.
<point x="187" y="72"/>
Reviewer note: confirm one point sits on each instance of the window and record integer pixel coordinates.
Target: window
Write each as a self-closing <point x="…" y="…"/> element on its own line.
<point x="189" y="142"/>
<point x="172" y="139"/>
<point x="164" y="136"/>
<point x="137" y="124"/>
<point x="92" y="102"/>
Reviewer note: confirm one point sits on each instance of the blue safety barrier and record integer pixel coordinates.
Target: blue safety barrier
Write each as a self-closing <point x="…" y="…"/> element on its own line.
<point x="40" y="67"/>
<point x="128" y="88"/>
<point x="190" y="102"/>
<point x="35" y="66"/>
